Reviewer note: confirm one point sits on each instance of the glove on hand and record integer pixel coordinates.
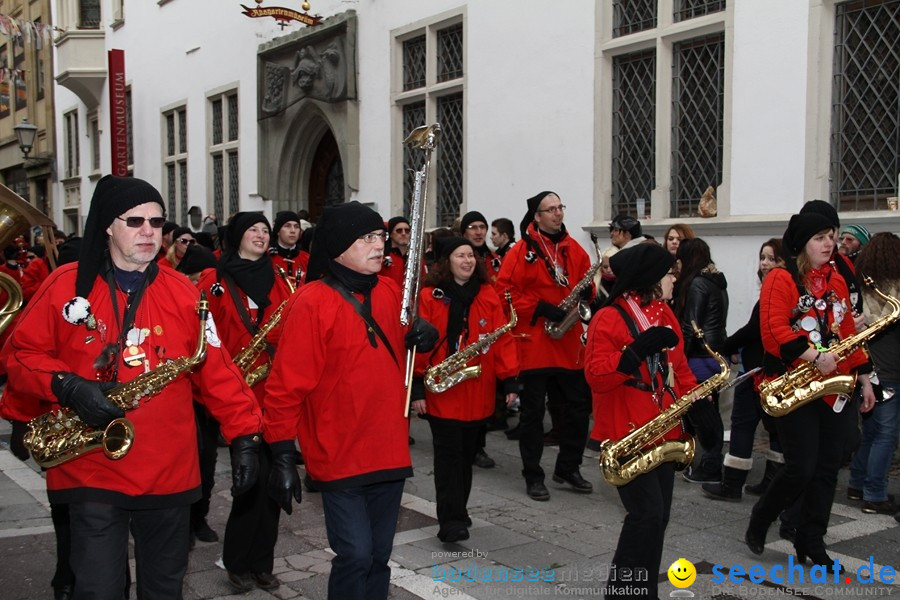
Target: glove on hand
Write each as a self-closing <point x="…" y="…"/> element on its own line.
<point x="244" y="463"/>
<point x="649" y="342"/>
<point x="549" y="311"/>
<point x="284" y="481"/>
<point x="17" y="440"/>
<point x="86" y="398"/>
<point x="422" y="335"/>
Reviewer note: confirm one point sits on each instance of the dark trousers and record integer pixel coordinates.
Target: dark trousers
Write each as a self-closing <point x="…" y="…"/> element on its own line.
<point x="59" y="514"/>
<point x="746" y="413"/>
<point x="207" y="444"/>
<point x="252" y="527"/>
<point x="574" y="413"/>
<point x="100" y="550"/>
<point x="454" y="450"/>
<point x="813" y="439"/>
<point x="360" y="523"/>
<point x="648" y="502"/>
<point x="705" y="422"/>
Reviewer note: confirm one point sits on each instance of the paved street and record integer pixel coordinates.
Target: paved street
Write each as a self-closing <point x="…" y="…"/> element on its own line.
<point x="518" y="547"/>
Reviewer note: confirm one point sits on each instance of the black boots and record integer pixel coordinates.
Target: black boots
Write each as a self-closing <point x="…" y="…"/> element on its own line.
<point x="759" y="489"/>
<point x="756" y="536"/>
<point x="729" y="488"/>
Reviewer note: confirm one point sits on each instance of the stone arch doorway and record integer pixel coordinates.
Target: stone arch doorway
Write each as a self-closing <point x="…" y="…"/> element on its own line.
<point x="326" y="177"/>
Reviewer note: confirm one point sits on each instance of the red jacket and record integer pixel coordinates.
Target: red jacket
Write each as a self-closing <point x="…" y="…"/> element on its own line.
<point x="294" y="267"/>
<point x="341" y="397"/>
<point x="529" y="281"/>
<point x="473" y="399"/>
<point x="34" y="275"/>
<point x="618" y="407"/>
<point x="162" y="467"/>
<point x="232" y="331"/>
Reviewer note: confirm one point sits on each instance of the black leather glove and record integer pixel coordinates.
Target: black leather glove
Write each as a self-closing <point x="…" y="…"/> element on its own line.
<point x="649" y="342"/>
<point x="244" y="463"/>
<point x="86" y="398"/>
<point x="422" y="335"/>
<point x="551" y="312"/>
<point x="16" y="440"/>
<point x="284" y="481"/>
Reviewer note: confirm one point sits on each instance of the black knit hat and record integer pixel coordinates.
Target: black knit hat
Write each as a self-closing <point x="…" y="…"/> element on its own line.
<point x="240" y="223"/>
<point x="113" y="196"/>
<point x="283" y="217"/>
<point x="473" y="216"/>
<point x="180" y="231"/>
<point x="627" y="223"/>
<point x="306" y="238"/>
<point x="169" y="227"/>
<point x="444" y="247"/>
<point x="802" y="228"/>
<point x="639" y="267"/>
<point x="196" y="258"/>
<point x="336" y="231"/>
<point x="533" y="203"/>
<point x="394" y="221"/>
<point x="820" y="207"/>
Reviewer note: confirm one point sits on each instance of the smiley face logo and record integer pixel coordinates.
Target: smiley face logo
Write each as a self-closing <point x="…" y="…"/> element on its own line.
<point x="682" y="573"/>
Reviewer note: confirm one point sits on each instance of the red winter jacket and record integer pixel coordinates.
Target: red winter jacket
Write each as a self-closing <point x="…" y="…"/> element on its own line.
<point x="473" y="399"/>
<point x="618" y="407"/>
<point x="162" y="467"/>
<point x="529" y="281"/>
<point x="341" y="397"/>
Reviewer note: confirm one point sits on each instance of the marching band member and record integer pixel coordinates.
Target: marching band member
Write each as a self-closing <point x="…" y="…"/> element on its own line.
<point x="464" y="308"/>
<point x="244" y="293"/>
<point x="285" y="248"/>
<point x="182" y="239"/>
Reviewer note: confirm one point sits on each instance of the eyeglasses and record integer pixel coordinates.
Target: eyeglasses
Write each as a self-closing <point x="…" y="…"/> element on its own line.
<point x="402" y="229"/>
<point x="553" y="209"/>
<point x="155" y="222"/>
<point x="186" y="241"/>
<point x="371" y="238"/>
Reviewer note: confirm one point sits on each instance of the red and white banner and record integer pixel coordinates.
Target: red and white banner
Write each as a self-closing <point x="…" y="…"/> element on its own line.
<point x="118" y="113"/>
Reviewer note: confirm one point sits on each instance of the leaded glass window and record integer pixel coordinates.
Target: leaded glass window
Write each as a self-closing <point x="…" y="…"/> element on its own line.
<point x="183" y="190"/>
<point x="171" y="198"/>
<point x="633" y="131"/>
<point x="414" y="63"/>
<point x="233" y="194"/>
<point x="688" y="9"/>
<point x="232" y="117"/>
<point x="413" y="158"/>
<point x="450" y="53"/>
<point x="630" y="16"/>
<point x="218" y="188"/>
<point x="217" y="121"/>
<point x="450" y="159"/>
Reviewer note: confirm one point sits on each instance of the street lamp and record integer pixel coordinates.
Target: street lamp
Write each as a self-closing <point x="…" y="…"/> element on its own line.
<point x="25" y="133"/>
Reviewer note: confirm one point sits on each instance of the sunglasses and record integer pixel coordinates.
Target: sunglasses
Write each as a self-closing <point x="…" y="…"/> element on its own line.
<point x="155" y="222"/>
<point x="186" y="242"/>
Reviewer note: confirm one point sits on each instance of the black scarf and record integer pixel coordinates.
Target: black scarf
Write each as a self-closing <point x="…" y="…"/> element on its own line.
<point x="288" y="253"/>
<point x="254" y="277"/>
<point x="461" y="298"/>
<point x="356" y="282"/>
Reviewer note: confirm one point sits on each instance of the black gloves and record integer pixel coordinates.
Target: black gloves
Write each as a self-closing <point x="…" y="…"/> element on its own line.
<point x="649" y="342"/>
<point x="549" y="311"/>
<point x="244" y="462"/>
<point x="284" y="481"/>
<point x="422" y="335"/>
<point x="16" y="440"/>
<point x="86" y="398"/>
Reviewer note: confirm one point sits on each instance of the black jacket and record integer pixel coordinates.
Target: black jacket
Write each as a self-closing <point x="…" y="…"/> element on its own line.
<point x="707" y="304"/>
<point x="748" y="340"/>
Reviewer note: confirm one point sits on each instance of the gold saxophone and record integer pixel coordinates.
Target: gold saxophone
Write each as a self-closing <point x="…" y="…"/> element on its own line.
<point x="58" y="437"/>
<point x="452" y="370"/>
<point x="638" y="449"/>
<point x="247" y="356"/>
<point x="805" y="383"/>
<point x="576" y="308"/>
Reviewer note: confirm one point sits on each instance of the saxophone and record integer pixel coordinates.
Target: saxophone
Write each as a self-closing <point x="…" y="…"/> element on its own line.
<point x="805" y="383"/>
<point x="638" y="449"/>
<point x="575" y="307"/>
<point x="452" y="370"/>
<point x="244" y="359"/>
<point x="58" y="437"/>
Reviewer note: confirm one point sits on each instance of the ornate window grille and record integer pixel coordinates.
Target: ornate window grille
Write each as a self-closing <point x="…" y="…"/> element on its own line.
<point x="223" y="139"/>
<point x="175" y="164"/>
<point x="630" y="16"/>
<point x="865" y="113"/>
<point x="633" y="131"/>
<point x="218" y="188"/>
<point x="414" y="63"/>
<point x="233" y="188"/>
<point x="450" y="53"/>
<point x="89" y="14"/>
<point x="697" y="120"/>
<point x="413" y="116"/>
<point x="450" y="159"/>
<point x="689" y="9"/>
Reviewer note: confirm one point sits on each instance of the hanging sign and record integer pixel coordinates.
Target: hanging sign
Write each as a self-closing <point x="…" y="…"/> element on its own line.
<point x="283" y="15"/>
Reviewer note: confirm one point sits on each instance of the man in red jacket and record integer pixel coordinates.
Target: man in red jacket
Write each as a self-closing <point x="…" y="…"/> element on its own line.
<point x="540" y="271"/>
<point x="345" y="399"/>
<point x="102" y="322"/>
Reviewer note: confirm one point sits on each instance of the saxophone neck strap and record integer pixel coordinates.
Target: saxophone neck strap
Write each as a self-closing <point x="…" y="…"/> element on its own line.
<point x="244" y="314"/>
<point x="364" y="311"/>
<point x="656" y="363"/>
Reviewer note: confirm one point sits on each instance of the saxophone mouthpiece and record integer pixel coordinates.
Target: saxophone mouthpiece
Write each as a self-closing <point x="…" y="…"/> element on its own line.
<point x="203" y="306"/>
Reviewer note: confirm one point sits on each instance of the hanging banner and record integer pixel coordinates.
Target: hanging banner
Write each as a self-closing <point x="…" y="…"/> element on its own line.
<point x="283" y="15"/>
<point x="118" y="113"/>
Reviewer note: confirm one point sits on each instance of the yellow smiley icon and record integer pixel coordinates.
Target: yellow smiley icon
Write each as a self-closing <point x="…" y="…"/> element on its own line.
<point x="682" y="573"/>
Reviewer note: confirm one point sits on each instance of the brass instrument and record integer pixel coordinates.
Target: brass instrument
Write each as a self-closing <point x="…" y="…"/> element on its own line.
<point x="805" y="383"/>
<point x="639" y="450"/>
<point x="576" y="308"/>
<point x="424" y="138"/>
<point x="244" y="359"/>
<point x="287" y="279"/>
<point x="453" y="370"/>
<point x="58" y="437"/>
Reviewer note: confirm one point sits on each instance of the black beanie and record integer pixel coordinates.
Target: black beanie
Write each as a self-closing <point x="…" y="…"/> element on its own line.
<point x="336" y="231"/>
<point x="180" y="231"/>
<point x="306" y="238"/>
<point x="802" y="228"/>
<point x="394" y="221"/>
<point x="533" y="203"/>
<point x="444" y="247"/>
<point x="626" y="223"/>
<point x="473" y="216"/>
<point x="281" y="218"/>
<point x="238" y="224"/>
<point x="639" y="267"/>
<point x="196" y="258"/>
<point x="820" y="207"/>
<point x="113" y="196"/>
<point x="169" y="227"/>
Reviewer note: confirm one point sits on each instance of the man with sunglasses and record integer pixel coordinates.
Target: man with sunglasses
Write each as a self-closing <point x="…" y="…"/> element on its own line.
<point x="396" y="249"/>
<point x="101" y="322"/>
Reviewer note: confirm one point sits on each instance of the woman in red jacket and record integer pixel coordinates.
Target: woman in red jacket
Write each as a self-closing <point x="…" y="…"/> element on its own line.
<point x="636" y="368"/>
<point x="243" y="293"/>
<point x="464" y="308"/>
<point x="804" y="310"/>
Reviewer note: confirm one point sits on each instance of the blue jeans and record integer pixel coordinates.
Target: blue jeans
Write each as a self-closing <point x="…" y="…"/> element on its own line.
<point x="869" y="468"/>
<point x="361" y="522"/>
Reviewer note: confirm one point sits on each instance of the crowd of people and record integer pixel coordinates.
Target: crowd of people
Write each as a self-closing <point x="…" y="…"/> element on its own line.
<point x="525" y="324"/>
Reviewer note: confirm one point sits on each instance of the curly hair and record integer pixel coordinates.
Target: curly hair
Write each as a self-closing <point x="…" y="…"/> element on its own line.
<point x="880" y="259"/>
